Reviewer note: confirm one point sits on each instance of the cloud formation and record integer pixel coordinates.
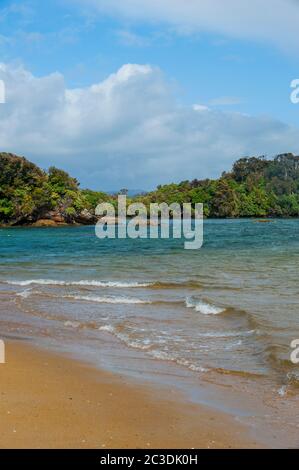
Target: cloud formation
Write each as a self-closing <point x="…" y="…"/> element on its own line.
<point x="127" y="130"/>
<point x="273" y="21"/>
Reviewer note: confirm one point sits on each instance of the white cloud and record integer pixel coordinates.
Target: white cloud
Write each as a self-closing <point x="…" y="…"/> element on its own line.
<point x="200" y="107"/>
<point x="274" y="21"/>
<point x="127" y="130"/>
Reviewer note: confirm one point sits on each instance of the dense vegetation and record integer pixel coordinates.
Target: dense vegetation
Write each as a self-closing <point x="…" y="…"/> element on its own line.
<point x="28" y="194"/>
<point x="256" y="187"/>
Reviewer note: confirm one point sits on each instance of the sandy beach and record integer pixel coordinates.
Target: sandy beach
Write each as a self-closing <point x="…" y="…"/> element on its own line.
<point x="49" y="401"/>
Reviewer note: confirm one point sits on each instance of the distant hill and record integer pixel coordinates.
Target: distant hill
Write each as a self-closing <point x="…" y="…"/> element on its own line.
<point x="255" y="187"/>
<point x="128" y="192"/>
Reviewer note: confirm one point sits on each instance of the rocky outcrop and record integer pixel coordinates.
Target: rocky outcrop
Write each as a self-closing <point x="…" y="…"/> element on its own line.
<point x="54" y="216"/>
<point x="85" y="217"/>
<point x="57" y="218"/>
<point x="45" y="223"/>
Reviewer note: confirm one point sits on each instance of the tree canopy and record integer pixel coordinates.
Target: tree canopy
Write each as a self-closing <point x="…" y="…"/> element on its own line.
<point x="255" y="187"/>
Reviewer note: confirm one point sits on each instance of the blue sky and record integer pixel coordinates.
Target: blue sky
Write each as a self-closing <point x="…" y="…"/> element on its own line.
<point x="234" y="65"/>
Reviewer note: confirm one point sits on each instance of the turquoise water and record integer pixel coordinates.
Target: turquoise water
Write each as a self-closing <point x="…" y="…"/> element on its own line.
<point x="240" y="289"/>
<point x="226" y="313"/>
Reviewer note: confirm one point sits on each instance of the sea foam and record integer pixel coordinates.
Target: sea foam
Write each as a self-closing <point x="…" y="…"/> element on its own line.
<point x="91" y="283"/>
<point x="203" y="307"/>
<point x="25" y="294"/>
<point x="107" y="300"/>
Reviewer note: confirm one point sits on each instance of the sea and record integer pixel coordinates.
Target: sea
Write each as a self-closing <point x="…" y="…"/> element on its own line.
<point x="215" y="324"/>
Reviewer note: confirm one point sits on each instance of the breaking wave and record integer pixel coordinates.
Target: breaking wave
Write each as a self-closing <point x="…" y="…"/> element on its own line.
<point x="203" y="307"/>
<point x="107" y="300"/>
<point x="91" y="283"/>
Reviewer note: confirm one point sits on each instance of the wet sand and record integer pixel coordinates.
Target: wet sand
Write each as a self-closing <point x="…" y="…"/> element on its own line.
<point x="50" y="401"/>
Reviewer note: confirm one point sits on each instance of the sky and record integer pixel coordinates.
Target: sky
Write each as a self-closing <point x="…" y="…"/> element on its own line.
<point x="144" y="92"/>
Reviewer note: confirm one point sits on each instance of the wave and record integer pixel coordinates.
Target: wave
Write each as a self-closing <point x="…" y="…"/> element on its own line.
<point x="100" y="299"/>
<point x="203" y="307"/>
<point x="107" y="300"/>
<point x="111" y="284"/>
<point x="199" y="306"/>
<point x="91" y="283"/>
<point x="181" y="362"/>
<point x="147" y="345"/>
<point x="25" y="294"/>
<point x="228" y="334"/>
<point x="144" y="345"/>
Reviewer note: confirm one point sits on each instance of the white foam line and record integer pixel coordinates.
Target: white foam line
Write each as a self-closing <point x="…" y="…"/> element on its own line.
<point x="92" y="283"/>
<point x="107" y="300"/>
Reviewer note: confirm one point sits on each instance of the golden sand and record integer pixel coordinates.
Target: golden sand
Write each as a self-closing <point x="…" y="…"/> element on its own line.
<point x="49" y="401"/>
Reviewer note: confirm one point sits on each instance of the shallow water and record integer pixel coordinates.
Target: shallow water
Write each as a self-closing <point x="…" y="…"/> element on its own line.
<point x="224" y="314"/>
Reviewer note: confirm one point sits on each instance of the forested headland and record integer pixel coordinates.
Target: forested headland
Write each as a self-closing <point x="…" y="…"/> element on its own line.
<point x="255" y="187"/>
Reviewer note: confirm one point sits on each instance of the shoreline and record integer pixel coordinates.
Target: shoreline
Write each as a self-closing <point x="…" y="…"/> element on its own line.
<point x="52" y="401"/>
<point x="254" y="219"/>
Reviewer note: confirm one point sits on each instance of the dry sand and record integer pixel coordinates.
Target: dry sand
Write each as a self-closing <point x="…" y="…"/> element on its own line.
<point x="49" y="401"/>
